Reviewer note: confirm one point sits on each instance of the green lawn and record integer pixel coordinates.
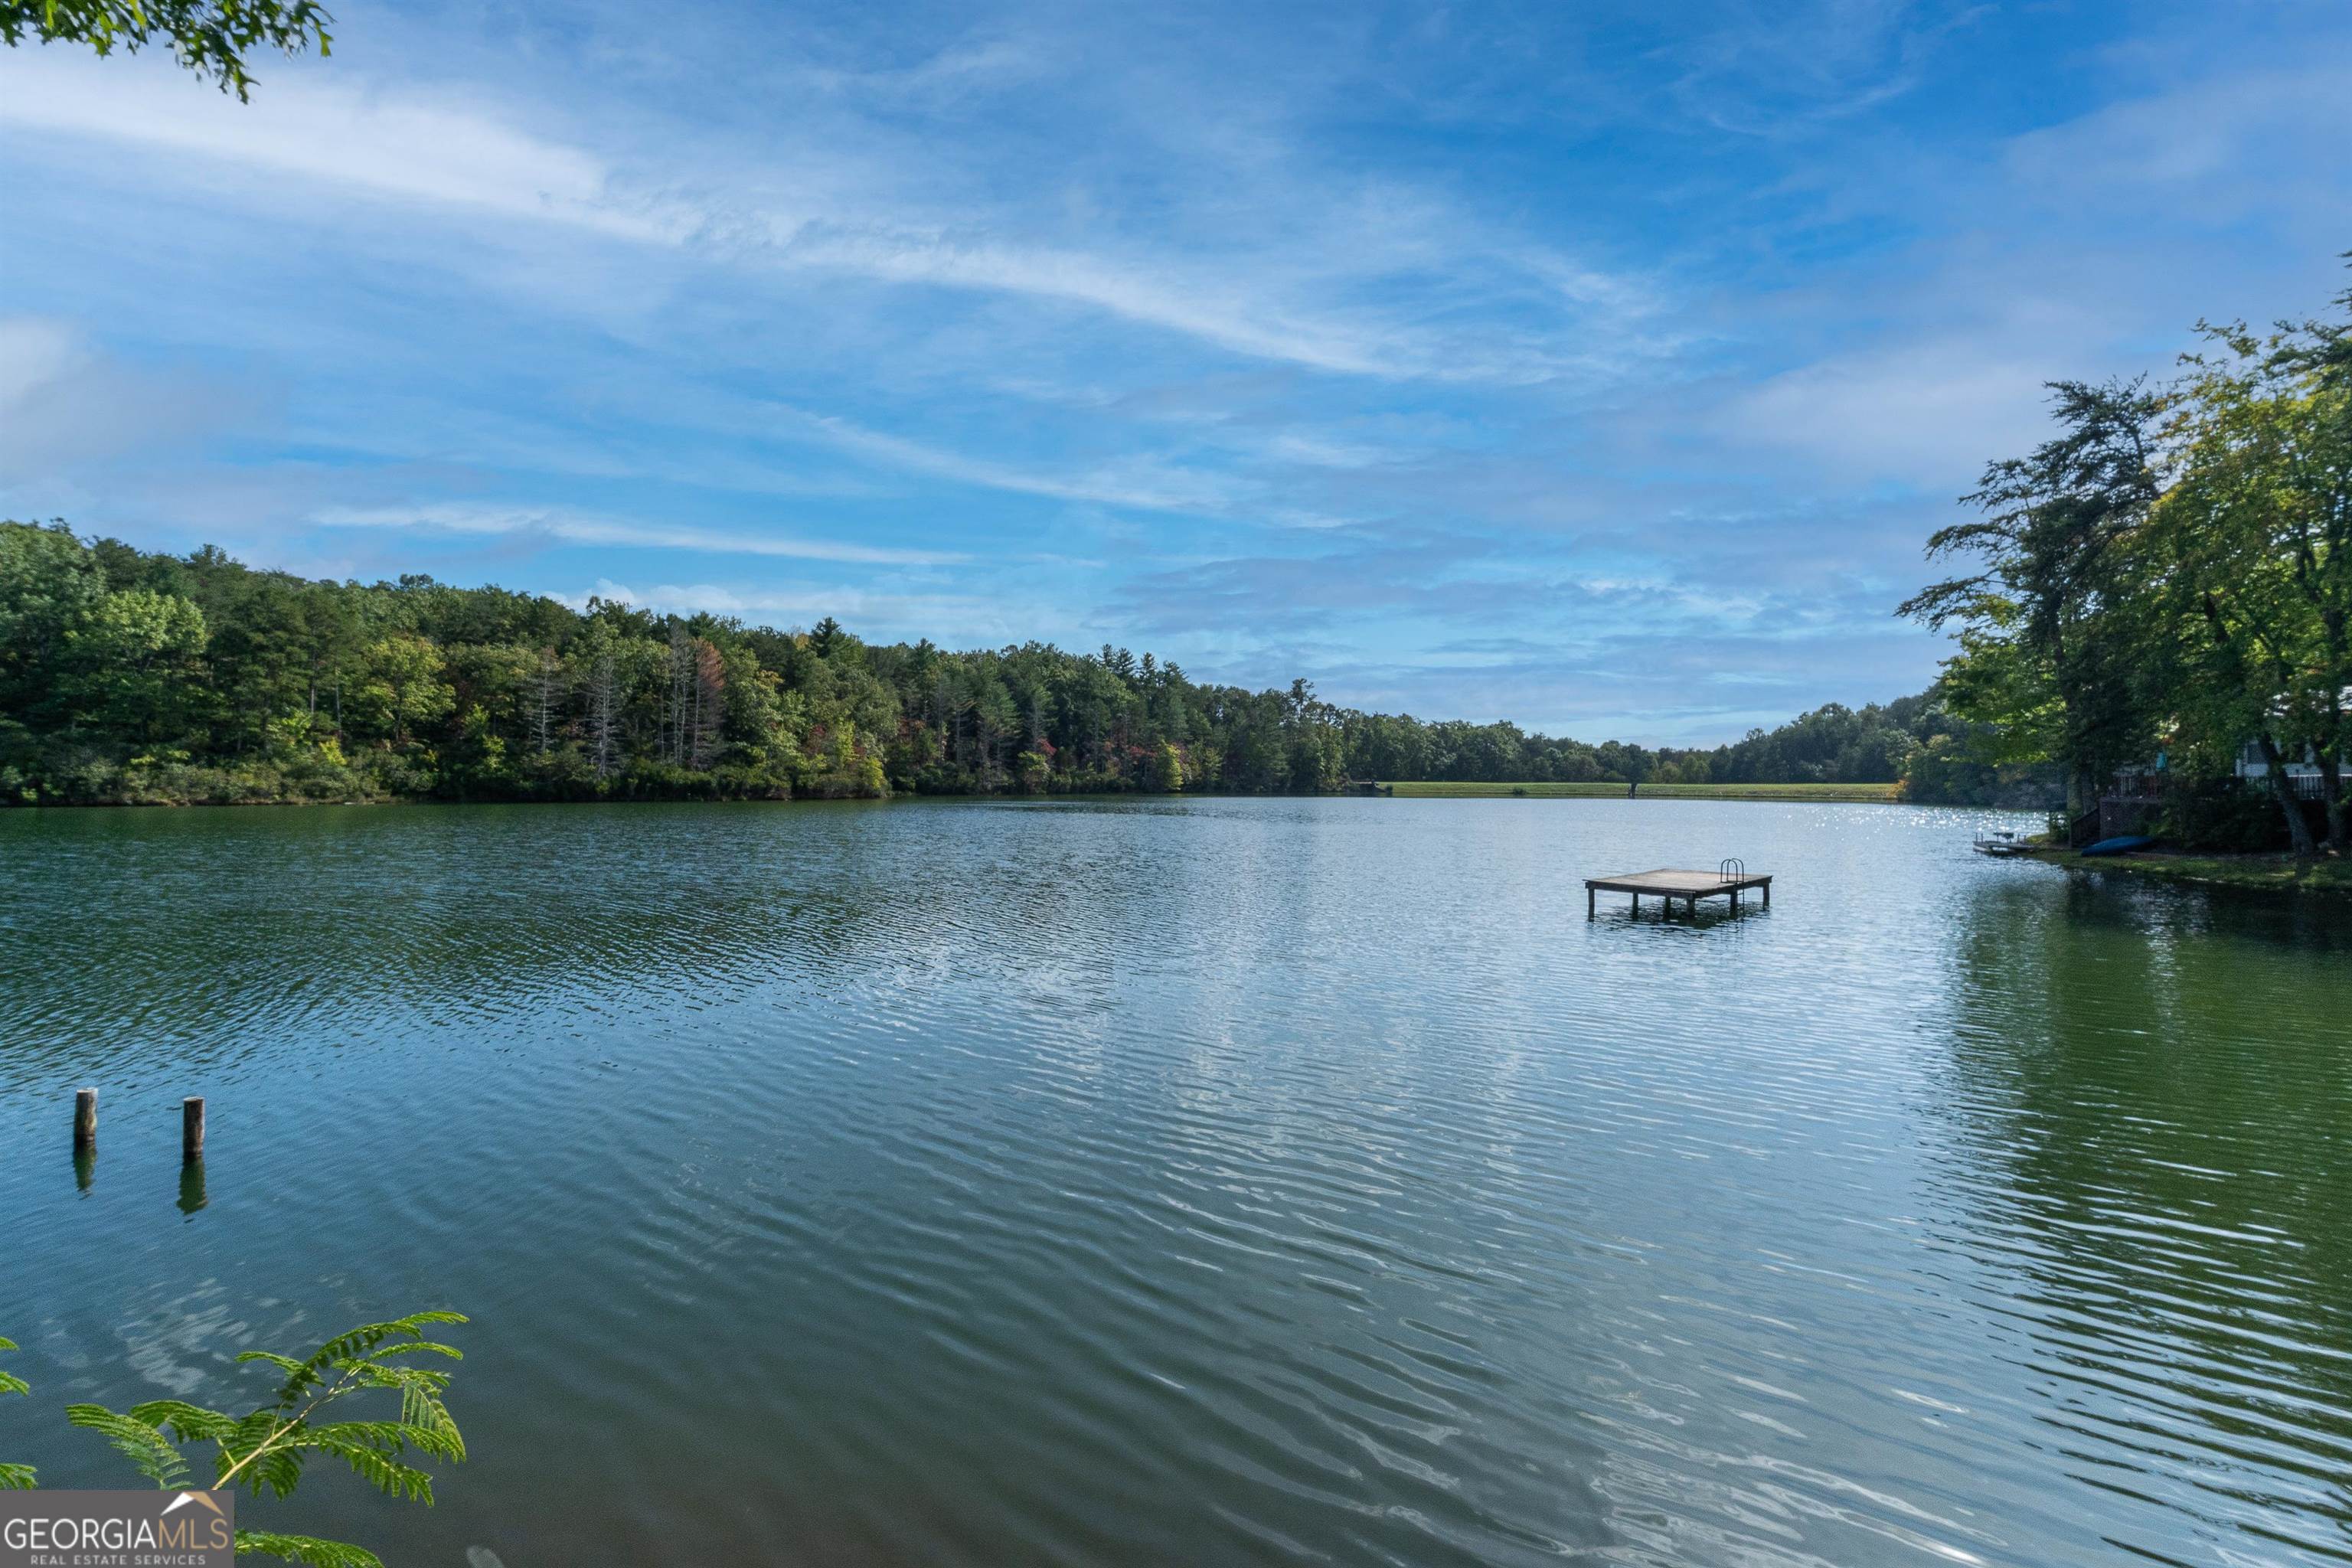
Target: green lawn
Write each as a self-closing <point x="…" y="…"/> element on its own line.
<point x="2282" y="872"/>
<point x="1850" y="792"/>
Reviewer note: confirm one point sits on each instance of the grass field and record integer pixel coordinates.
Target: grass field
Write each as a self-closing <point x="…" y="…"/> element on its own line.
<point x="1827" y="792"/>
<point x="2280" y="872"/>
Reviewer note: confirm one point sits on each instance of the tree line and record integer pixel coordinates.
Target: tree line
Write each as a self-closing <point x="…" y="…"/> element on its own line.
<point x="2168" y="580"/>
<point x="128" y="676"/>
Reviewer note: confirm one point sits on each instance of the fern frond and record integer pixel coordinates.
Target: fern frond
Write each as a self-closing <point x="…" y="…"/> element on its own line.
<point x="383" y="1434"/>
<point x="16" y="1477"/>
<point x="424" y="1347"/>
<point x="306" y="1549"/>
<point x="283" y="1363"/>
<point x="354" y="1346"/>
<point x="371" y="1457"/>
<point x="137" y="1441"/>
<point x="188" y="1422"/>
<point x="434" y="1433"/>
<point x="279" y="1470"/>
<point x="251" y="1433"/>
<point x="9" y="1385"/>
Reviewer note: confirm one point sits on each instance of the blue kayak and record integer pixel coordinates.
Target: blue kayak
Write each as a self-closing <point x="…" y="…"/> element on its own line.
<point x="2120" y="846"/>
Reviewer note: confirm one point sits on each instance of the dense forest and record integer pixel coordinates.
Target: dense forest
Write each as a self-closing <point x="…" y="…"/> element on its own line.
<point x="129" y="676"/>
<point x="2165" y="584"/>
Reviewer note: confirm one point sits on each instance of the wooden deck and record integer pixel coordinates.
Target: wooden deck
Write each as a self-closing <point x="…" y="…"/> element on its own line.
<point x="1688" y="886"/>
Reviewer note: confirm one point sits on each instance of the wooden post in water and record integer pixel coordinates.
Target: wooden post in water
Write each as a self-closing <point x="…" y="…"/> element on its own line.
<point x="191" y="1129"/>
<point x="85" y="1120"/>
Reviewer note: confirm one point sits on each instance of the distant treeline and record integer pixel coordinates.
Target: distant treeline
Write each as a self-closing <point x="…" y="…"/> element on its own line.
<point x="132" y="677"/>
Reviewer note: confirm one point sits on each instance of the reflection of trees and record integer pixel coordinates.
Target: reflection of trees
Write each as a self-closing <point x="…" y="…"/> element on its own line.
<point x="140" y="937"/>
<point x="2153" y="1094"/>
<point x="208" y="934"/>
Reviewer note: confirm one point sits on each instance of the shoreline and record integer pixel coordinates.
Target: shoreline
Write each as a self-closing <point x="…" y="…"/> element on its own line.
<point x="1825" y="794"/>
<point x="2269" y="872"/>
<point x="1846" y="794"/>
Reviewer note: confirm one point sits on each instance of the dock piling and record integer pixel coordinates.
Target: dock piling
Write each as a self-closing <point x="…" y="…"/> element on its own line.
<point x="85" y="1120"/>
<point x="191" y="1129"/>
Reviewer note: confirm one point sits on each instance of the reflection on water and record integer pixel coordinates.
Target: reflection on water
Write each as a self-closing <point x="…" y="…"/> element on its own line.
<point x="2150" y="1093"/>
<point x="1224" y="1181"/>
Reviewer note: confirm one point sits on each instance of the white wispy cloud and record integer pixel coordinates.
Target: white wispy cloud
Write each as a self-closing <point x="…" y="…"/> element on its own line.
<point x="1141" y="483"/>
<point x="960" y="619"/>
<point x="575" y="528"/>
<point x="457" y="148"/>
<point x="408" y="144"/>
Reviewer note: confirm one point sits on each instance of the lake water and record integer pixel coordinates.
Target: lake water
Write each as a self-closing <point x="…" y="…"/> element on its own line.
<point x="1207" y="1182"/>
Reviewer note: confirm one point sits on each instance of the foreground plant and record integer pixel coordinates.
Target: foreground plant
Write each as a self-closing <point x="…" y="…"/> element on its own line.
<point x="267" y="1449"/>
<point x="14" y="1477"/>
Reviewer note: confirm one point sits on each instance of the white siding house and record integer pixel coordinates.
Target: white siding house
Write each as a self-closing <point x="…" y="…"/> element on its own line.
<point x="2251" y="764"/>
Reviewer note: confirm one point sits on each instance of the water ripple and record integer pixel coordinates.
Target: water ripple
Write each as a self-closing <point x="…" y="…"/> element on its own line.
<point x="1217" y="1181"/>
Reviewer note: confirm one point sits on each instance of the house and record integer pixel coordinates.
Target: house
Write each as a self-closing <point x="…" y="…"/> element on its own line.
<point x="2134" y="801"/>
<point x="2251" y="764"/>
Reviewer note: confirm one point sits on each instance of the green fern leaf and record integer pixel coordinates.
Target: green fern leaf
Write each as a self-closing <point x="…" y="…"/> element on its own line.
<point x="188" y="1422"/>
<point x="421" y="1347"/>
<point x="137" y="1441"/>
<point x="375" y="1465"/>
<point x="306" y="1549"/>
<point x="278" y="1470"/>
<point x="16" y="1477"/>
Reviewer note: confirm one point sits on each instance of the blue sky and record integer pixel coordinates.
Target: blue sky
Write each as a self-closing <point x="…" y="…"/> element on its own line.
<point x="1600" y="367"/>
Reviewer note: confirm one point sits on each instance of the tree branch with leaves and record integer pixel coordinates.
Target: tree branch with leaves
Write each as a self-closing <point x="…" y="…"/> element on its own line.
<point x="264" y="1450"/>
<point x="211" y="37"/>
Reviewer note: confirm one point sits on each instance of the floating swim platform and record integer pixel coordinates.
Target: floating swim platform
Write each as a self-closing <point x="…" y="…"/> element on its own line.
<point x="1728" y="880"/>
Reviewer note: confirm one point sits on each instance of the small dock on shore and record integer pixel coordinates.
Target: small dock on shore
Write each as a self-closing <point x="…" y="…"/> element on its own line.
<point x="1729" y="880"/>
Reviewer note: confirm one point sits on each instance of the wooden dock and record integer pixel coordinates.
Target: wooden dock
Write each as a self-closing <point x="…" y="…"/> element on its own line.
<point x="1729" y="880"/>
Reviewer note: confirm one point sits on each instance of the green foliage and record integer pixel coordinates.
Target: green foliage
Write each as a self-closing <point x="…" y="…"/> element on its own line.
<point x="151" y="1453"/>
<point x="135" y="677"/>
<point x="14" y="1477"/>
<point x="2049" y="608"/>
<point x="211" y="37"/>
<point x="397" y="683"/>
<point x="306" y="1549"/>
<point x="266" y="1450"/>
<point x="2171" y="572"/>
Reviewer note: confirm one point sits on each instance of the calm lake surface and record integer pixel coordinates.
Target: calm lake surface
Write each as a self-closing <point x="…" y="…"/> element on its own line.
<point x="1227" y="1180"/>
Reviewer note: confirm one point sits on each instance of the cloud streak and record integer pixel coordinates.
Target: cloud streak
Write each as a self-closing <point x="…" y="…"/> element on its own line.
<point x="1549" y="362"/>
<point x="575" y="529"/>
<point x="449" y="147"/>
